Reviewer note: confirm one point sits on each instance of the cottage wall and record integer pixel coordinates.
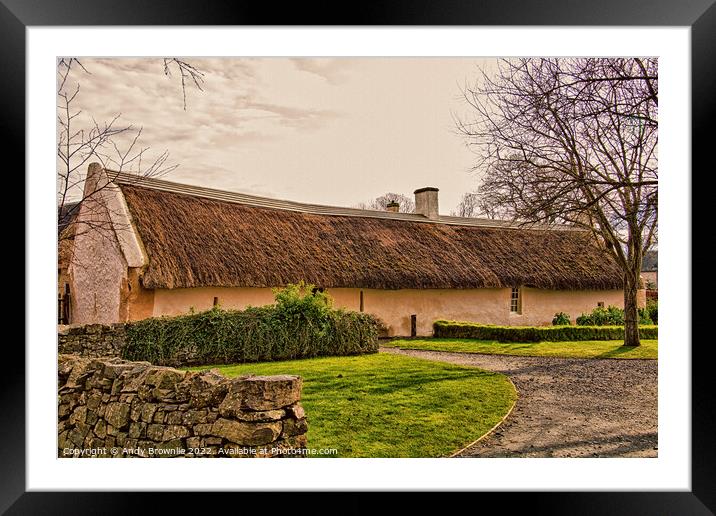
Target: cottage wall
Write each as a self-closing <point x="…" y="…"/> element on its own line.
<point x="181" y="300"/>
<point x="106" y="257"/>
<point x="394" y="307"/>
<point x="489" y="306"/>
<point x="98" y="271"/>
<point x="136" y="302"/>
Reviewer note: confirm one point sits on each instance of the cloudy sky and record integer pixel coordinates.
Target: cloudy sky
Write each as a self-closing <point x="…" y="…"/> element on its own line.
<point x="335" y="131"/>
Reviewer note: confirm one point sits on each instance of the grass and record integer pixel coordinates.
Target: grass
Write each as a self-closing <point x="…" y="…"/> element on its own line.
<point x="581" y="349"/>
<point x="384" y="405"/>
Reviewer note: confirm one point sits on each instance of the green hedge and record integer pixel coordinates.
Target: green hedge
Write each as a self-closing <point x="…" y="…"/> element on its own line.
<point x="465" y="330"/>
<point x="301" y="325"/>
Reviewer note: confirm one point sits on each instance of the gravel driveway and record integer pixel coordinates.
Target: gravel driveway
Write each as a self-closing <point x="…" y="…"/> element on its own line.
<point x="568" y="407"/>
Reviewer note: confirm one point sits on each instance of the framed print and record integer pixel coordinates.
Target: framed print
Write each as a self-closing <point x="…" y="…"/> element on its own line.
<point x="424" y="245"/>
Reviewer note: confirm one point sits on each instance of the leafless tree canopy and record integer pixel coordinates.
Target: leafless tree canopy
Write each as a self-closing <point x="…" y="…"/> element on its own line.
<point x="473" y="204"/>
<point x="573" y="141"/>
<point x="116" y="146"/>
<point x="467" y="207"/>
<point x="407" y="204"/>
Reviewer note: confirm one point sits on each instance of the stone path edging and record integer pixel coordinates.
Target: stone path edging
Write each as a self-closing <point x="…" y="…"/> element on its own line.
<point x="497" y="425"/>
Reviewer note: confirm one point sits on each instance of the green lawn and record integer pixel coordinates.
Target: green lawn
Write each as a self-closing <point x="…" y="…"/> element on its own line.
<point x="581" y="349"/>
<point x="382" y="405"/>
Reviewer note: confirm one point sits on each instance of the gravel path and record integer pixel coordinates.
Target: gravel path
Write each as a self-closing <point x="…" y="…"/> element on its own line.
<point x="568" y="407"/>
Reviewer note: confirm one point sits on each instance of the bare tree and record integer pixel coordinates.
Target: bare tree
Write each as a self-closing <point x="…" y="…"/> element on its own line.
<point x="116" y="146"/>
<point x="467" y="207"/>
<point x="574" y="141"/>
<point x="406" y="203"/>
<point x="473" y="204"/>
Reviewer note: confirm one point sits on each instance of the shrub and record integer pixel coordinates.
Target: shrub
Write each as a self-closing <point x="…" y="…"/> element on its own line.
<point x="600" y="316"/>
<point x="652" y="308"/>
<point x="465" y="330"/>
<point x="301" y="324"/>
<point x="301" y="301"/>
<point x="644" y="316"/>
<point x="611" y="316"/>
<point x="561" y="319"/>
<point x="584" y="320"/>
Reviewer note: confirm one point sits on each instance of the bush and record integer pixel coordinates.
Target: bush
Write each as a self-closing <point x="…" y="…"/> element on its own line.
<point x="600" y="316"/>
<point x="561" y="319"/>
<point x="465" y="330"/>
<point x="301" y="324"/>
<point x="644" y="317"/>
<point x="652" y="308"/>
<point x="611" y="316"/>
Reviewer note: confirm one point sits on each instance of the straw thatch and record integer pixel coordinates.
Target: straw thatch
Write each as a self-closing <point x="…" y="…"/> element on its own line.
<point x="66" y="216"/>
<point x="199" y="242"/>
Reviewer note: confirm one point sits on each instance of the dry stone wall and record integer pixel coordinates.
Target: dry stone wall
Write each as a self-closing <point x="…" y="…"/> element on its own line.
<point x="111" y="407"/>
<point x="92" y="340"/>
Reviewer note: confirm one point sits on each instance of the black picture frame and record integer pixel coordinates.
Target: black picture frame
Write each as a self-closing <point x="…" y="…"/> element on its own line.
<point x="699" y="15"/>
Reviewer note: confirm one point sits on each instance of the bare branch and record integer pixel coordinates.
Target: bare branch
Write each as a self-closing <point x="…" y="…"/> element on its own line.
<point x="186" y="72"/>
<point x="64" y="67"/>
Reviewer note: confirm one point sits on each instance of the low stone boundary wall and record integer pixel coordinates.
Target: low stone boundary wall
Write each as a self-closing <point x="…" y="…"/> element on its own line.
<point x="115" y="408"/>
<point x="93" y="340"/>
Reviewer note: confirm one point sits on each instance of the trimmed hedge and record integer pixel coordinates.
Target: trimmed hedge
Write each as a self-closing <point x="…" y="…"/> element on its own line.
<point x="466" y="330"/>
<point x="301" y="324"/>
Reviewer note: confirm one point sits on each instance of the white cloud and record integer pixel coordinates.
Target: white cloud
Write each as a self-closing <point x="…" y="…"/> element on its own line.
<point x="327" y="130"/>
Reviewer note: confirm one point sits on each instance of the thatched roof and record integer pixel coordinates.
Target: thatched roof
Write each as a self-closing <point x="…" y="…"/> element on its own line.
<point x="66" y="215"/>
<point x="199" y="241"/>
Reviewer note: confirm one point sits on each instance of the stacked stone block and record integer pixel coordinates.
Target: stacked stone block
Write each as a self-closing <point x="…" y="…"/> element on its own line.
<point x="92" y="340"/>
<point x="109" y="407"/>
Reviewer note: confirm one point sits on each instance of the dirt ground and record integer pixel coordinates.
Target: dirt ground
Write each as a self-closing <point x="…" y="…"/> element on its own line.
<point x="568" y="407"/>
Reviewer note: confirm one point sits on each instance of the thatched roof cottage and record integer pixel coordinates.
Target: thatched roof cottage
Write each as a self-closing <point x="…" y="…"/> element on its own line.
<point x="174" y="247"/>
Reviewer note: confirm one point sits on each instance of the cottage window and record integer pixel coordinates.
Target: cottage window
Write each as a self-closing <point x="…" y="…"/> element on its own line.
<point x="64" y="305"/>
<point x="516" y="301"/>
<point x="600" y="304"/>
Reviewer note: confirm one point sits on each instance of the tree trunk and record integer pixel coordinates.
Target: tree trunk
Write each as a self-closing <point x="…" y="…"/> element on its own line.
<point x="631" y="314"/>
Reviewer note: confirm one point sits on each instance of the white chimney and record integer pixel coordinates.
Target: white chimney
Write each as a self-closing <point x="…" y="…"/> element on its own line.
<point x="426" y="202"/>
<point x="393" y="206"/>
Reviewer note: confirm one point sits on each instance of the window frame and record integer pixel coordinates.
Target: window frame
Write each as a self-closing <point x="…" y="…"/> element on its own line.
<point x="516" y="301"/>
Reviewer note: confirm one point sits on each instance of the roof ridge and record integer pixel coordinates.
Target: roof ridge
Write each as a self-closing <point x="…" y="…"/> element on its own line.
<point x="125" y="178"/>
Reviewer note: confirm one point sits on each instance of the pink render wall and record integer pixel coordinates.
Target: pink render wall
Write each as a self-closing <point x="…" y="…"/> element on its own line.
<point x="181" y="300"/>
<point x="394" y="307"/>
<point x="96" y="284"/>
<point x="98" y="273"/>
<point x="489" y="306"/>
